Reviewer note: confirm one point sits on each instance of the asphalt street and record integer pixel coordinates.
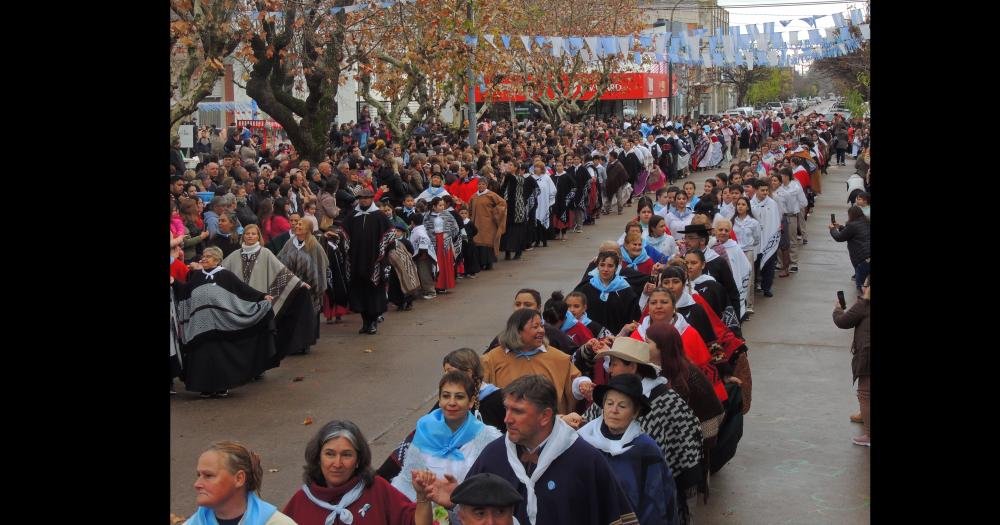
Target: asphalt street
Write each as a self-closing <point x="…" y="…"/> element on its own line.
<point x="795" y="463"/>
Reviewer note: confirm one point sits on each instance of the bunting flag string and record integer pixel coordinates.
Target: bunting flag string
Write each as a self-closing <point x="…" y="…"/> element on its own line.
<point x="759" y="45"/>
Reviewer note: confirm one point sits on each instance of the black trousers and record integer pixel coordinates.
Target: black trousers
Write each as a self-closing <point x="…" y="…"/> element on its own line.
<point x="766" y="271"/>
<point x="841" y="155"/>
<point x="539" y="234"/>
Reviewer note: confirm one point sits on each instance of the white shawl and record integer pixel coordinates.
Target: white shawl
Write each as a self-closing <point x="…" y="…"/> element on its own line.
<point x="591" y="433"/>
<point x="769" y="217"/>
<point x="562" y="437"/>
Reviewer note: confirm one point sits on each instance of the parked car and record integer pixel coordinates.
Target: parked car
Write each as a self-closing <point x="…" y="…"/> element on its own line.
<point x="773" y="106"/>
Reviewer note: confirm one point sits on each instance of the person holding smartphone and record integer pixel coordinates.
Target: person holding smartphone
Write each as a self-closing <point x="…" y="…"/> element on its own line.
<point x="857" y="317"/>
<point x="856" y="234"/>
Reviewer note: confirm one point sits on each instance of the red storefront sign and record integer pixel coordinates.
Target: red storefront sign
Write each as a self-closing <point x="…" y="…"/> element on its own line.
<point x="624" y="86"/>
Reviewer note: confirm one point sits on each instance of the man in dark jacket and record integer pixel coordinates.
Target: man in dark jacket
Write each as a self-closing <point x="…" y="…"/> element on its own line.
<point x="617" y="178"/>
<point x="633" y="164"/>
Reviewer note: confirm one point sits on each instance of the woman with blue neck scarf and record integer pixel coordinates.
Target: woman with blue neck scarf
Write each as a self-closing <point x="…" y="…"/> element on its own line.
<point x="610" y="299"/>
<point x="449" y="439"/>
<point x="228" y="486"/>
<point x="634" y="254"/>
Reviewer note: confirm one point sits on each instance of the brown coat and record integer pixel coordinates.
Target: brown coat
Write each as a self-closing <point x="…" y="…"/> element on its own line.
<point x="857" y="317"/>
<point x="502" y="368"/>
<point x="489" y="213"/>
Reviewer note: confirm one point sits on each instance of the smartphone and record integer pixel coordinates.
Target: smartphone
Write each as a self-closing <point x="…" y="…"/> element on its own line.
<point x="840" y="297"/>
<point x="833" y="218"/>
<point x="656" y="279"/>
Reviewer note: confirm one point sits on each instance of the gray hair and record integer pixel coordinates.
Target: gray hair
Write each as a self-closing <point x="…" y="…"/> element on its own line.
<point x="217" y="201"/>
<point x="214" y="252"/>
<point x="333" y="430"/>
<point x="510" y="338"/>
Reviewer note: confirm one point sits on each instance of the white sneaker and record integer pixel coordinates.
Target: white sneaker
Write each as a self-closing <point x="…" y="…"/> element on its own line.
<point x="430" y="296"/>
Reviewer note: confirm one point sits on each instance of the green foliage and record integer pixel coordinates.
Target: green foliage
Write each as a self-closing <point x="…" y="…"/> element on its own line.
<point x="776" y="86"/>
<point x="855" y="102"/>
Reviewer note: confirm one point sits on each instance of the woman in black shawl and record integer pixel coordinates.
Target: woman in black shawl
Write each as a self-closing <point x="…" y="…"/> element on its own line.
<point x="562" y="210"/>
<point x="227" y="329"/>
<point x="520" y="193"/>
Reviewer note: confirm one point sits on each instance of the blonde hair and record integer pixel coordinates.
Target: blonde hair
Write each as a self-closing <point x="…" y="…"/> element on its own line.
<point x="633" y="237"/>
<point x="237" y="457"/>
<point x="247" y="228"/>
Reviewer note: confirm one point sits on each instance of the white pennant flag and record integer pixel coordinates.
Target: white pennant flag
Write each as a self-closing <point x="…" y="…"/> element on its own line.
<point x="773" y="57"/>
<point x="526" y="41"/>
<point x="727" y="45"/>
<point x="585" y="56"/>
<point x="557" y="45"/>
<point x="838" y="20"/>
<point x="624" y="44"/>
<point x="660" y="44"/>
<point x="729" y="55"/>
<point x="749" y="56"/>
<point x="706" y="57"/>
<point x="866" y="31"/>
<point x="856" y="17"/>
<point x="489" y="38"/>
<point x="793" y="38"/>
<point x="591" y="43"/>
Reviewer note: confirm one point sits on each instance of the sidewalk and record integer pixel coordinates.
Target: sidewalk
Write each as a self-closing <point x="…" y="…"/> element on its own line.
<point x="796" y="463"/>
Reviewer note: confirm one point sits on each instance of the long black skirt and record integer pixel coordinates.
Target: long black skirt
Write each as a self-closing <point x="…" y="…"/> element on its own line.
<point x="298" y="325"/>
<point x="217" y="361"/>
<point x="484" y="255"/>
<point x="515" y="239"/>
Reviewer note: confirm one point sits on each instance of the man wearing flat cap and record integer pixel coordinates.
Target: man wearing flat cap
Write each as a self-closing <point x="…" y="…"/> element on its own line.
<point x="482" y="499"/>
<point x="372" y="236"/>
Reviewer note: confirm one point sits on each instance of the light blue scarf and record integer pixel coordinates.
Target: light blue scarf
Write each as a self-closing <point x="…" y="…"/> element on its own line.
<point x="616" y="284"/>
<point x="570" y="322"/>
<point x="486" y="389"/>
<point x="639" y="259"/>
<point x="257" y="513"/>
<point x="681" y="214"/>
<point x="585" y="319"/>
<point x="435" y="191"/>
<point x="434" y="437"/>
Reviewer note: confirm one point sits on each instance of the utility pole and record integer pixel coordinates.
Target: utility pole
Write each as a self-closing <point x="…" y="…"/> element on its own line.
<point x="472" y="85"/>
<point x="670" y="68"/>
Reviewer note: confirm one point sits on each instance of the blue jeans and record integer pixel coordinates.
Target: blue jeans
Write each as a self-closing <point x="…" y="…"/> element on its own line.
<point x="361" y="138"/>
<point x="861" y="273"/>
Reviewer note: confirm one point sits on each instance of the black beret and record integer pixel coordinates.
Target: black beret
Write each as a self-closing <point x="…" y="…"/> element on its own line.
<point x="485" y="490"/>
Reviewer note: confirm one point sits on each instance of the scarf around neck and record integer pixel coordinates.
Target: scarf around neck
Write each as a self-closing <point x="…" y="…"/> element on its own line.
<point x="257" y="513"/>
<point x="569" y="322"/>
<point x="562" y="437"/>
<point x="211" y="273"/>
<point x="435" y="437"/>
<point x="639" y="259"/>
<point x="591" y="433"/>
<point x="248" y="250"/>
<point x="338" y="511"/>
<point x="616" y="284"/>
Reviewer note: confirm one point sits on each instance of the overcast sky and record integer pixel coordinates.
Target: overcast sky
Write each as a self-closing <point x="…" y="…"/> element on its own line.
<point x="759" y="15"/>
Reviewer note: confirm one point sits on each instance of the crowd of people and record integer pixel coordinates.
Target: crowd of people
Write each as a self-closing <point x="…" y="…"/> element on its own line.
<point x="611" y="404"/>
